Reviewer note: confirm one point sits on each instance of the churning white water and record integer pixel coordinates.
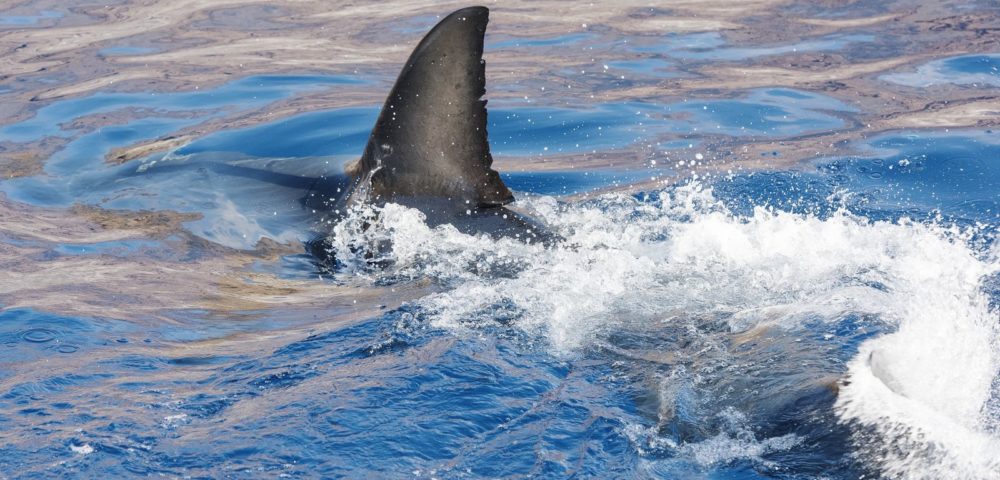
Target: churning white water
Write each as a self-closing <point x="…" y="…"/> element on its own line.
<point x="921" y="400"/>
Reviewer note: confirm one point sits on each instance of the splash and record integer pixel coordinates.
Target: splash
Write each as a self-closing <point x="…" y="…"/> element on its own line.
<point x="917" y="398"/>
<point x="736" y="440"/>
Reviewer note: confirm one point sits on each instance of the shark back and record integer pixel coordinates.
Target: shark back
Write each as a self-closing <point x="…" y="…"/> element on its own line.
<point x="430" y="138"/>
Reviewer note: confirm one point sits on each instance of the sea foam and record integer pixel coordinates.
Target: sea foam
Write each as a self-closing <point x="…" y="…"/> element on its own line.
<point x="921" y="399"/>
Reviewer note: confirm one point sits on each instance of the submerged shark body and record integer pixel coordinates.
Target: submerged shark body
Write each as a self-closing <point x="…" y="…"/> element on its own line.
<point x="429" y="148"/>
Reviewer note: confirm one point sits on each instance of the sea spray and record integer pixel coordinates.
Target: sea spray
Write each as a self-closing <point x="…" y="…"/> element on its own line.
<point x="917" y="397"/>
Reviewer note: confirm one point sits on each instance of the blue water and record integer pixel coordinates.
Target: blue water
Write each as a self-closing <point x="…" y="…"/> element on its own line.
<point x="710" y="47"/>
<point x="920" y="174"/>
<point x="981" y="71"/>
<point x="955" y="175"/>
<point x="571" y="183"/>
<point x="393" y="395"/>
<point x="194" y="177"/>
<point x="975" y="64"/>
<point x="561" y="40"/>
<point x="334" y="132"/>
<point x="645" y="67"/>
<point x="707" y="46"/>
<point x="22" y="21"/>
<point x="493" y="406"/>
<point x="52" y="120"/>
<point x="659" y="384"/>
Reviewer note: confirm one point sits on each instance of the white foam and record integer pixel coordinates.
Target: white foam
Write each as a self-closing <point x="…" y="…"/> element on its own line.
<point x="737" y="442"/>
<point x="627" y="263"/>
<point x="81" y="450"/>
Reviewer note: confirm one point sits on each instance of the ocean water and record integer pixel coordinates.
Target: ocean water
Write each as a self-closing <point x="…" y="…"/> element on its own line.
<point x="837" y="319"/>
<point x="21" y="21"/>
<point x="982" y="71"/>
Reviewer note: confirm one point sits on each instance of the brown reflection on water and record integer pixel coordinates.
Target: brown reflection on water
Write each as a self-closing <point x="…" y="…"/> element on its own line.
<point x="183" y="45"/>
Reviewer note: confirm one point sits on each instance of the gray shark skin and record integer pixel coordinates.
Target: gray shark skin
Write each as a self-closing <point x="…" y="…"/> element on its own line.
<point x="429" y="148"/>
<point x="430" y="138"/>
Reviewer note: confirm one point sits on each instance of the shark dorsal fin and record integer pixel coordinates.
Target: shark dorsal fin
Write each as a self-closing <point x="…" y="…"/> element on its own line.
<point x="430" y="138"/>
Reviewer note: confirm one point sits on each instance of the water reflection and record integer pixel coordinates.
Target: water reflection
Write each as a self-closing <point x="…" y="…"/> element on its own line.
<point x="21" y="21"/>
<point x="973" y="70"/>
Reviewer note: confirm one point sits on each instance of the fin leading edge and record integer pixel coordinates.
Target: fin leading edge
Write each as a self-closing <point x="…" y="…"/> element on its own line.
<point x="430" y="139"/>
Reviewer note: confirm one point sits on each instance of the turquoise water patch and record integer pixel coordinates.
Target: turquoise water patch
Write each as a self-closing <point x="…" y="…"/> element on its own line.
<point x="118" y="248"/>
<point x="975" y="64"/>
<point x="971" y="70"/>
<point x="29" y="20"/>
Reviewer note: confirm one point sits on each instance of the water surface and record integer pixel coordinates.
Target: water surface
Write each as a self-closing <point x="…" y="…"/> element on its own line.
<point x="707" y="311"/>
